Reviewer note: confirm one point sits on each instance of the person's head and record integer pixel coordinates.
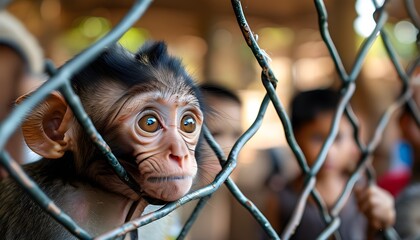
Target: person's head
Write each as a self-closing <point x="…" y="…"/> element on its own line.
<point x="312" y="114"/>
<point x="15" y="38"/>
<point x="21" y="59"/>
<point x="224" y="120"/>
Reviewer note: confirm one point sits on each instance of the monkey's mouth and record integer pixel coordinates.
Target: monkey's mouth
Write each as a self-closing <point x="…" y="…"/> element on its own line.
<point x="167" y="179"/>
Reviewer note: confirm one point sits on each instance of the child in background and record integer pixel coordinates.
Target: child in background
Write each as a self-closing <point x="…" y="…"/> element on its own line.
<point x="406" y="165"/>
<point x="223" y="120"/>
<point x="368" y="211"/>
<point x="408" y="200"/>
<point x="21" y="63"/>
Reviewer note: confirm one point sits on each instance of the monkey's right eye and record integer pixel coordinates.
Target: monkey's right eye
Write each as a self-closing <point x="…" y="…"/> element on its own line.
<point x="149" y="123"/>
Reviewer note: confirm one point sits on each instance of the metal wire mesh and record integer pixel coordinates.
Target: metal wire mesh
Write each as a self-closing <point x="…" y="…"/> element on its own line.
<point x="60" y="81"/>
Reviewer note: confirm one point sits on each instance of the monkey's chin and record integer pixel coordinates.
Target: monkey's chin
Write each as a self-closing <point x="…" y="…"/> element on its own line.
<point x="160" y="190"/>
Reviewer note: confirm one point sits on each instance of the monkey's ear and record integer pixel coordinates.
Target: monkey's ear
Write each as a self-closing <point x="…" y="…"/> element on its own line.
<point x="46" y="129"/>
<point x="152" y="52"/>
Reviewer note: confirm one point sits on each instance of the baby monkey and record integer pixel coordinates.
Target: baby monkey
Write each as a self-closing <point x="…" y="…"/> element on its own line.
<point x="147" y="108"/>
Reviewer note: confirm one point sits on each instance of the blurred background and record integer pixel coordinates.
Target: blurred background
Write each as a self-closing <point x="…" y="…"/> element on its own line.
<point x="206" y="36"/>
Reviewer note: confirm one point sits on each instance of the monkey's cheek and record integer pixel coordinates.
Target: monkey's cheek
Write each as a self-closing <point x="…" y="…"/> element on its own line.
<point x="169" y="191"/>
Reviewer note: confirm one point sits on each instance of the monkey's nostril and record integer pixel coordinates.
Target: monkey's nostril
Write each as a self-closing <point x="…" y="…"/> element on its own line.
<point x="175" y="158"/>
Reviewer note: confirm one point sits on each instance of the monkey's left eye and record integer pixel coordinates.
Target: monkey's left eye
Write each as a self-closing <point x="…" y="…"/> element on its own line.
<point x="149" y="123"/>
<point x="188" y="124"/>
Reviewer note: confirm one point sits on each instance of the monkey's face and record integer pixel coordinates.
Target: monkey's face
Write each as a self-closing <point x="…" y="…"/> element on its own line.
<point x="160" y="131"/>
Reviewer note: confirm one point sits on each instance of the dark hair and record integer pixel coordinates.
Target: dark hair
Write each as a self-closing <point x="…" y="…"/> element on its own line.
<point x="118" y="64"/>
<point x="219" y="91"/>
<point x="306" y="106"/>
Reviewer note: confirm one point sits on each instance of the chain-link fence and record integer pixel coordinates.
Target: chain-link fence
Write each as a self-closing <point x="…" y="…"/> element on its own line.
<point x="59" y="80"/>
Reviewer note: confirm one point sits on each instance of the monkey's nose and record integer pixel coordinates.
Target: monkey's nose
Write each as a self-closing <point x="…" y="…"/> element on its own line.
<point x="178" y="149"/>
<point x="179" y="153"/>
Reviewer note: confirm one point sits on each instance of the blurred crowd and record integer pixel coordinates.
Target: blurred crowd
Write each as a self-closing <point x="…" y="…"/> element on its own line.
<point x="273" y="181"/>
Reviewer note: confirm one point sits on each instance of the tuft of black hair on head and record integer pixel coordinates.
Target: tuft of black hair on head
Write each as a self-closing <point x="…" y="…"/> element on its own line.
<point x="115" y="62"/>
<point x="152" y="52"/>
<point x="307" y="105"/>
<point x="120" y="65"/>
